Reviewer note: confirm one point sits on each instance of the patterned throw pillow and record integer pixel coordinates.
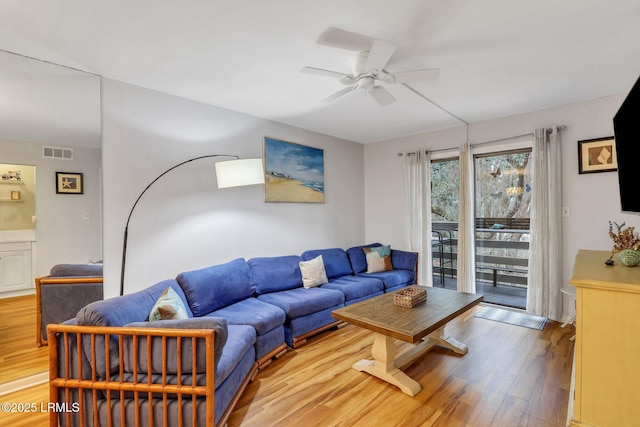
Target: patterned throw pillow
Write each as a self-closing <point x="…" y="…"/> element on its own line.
<point x="313" y="272"/>
<point x="168" y="307"/>
<point x="378" y="259"/>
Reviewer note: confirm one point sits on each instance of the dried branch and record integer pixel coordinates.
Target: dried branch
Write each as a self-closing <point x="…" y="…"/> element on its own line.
<point x="623" y="238"/>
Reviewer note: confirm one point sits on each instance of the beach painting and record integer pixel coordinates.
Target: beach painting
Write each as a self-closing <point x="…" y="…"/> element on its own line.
<point x="294" y="173"/>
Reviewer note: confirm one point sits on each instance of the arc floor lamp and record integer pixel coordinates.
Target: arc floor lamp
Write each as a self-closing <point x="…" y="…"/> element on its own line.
<point x="230" y="173"/>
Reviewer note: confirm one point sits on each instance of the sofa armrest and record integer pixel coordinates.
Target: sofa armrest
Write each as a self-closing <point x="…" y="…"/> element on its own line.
<point x="404" y="260"/>
<point x="74" y="380"/>
<point x="77" y="270"/>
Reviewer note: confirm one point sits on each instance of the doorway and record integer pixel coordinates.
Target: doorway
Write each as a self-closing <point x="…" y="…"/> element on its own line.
<point x="502" y="227"/>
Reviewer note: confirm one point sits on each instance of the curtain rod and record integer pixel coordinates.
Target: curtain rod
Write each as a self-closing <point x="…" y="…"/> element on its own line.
<point x="548" y="130"/>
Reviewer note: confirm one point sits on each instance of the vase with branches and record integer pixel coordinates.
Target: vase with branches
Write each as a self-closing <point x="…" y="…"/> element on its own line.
<point x="626" y="243"/>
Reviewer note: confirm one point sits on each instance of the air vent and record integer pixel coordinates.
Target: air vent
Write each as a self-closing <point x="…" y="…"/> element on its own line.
<point x="57" y="153"/>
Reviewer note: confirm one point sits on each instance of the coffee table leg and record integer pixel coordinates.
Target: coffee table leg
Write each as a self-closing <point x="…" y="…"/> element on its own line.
<point x="383" y="366"/>
<point x="441" y="338"/>
<point x="387" y="363"/>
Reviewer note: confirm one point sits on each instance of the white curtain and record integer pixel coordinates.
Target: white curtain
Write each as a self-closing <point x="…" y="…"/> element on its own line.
<point x="545" y="251"/>
<point x="466" y="224"/>
<point x="417" y="190"/>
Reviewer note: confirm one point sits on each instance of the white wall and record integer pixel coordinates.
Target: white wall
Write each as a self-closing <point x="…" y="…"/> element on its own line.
<point x="593" y="198"/>
<point x="63" y="234"/>
<point x="184" y="222"/>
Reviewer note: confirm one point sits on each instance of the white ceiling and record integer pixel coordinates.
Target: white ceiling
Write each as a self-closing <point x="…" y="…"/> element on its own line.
<point x="496" y="57"/>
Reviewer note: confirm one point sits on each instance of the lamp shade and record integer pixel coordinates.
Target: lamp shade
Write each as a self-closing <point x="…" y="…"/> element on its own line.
<point x="235" y="173"/>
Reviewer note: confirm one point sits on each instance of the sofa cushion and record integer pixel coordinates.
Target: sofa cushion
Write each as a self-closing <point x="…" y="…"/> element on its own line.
<point x="241" y="339"/>
<point x="214" y="287"/>
<point x="336" y="262"/>
<point x="404" y="260"/>
<point x="168" y="307"/>
<point x="217" y="324"/>
<point x="378" y="259"/>
<point x="357" y="257"/>
<point x="355" y="287"/>
<point x="117" y="311"/>
<point x="274" y="274"/>
<point x="313" y="273"/>
<point x="394" y="279"/>
<point x="262" y="316"/>
<point x="300" y="302"/>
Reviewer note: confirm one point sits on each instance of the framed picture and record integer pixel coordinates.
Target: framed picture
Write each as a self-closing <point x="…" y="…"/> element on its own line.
<point x="294" y="173"/>
<point x="597" y="155"/>
<point x="16" y="195"/>
<point x="69" y="183"/>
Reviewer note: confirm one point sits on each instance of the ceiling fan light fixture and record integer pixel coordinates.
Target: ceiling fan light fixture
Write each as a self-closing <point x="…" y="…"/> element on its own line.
<point x="366" y="82"/>
<point x="347" y="80"/>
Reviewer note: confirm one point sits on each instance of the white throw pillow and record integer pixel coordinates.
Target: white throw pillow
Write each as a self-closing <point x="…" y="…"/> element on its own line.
<point x="313" y="273"/>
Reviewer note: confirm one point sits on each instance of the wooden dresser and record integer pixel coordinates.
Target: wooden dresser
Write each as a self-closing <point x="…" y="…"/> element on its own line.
<point x="607" y="351"/>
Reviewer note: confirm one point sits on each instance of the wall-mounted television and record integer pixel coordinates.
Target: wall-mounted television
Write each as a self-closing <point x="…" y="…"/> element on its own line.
<point x="626" y="125"/>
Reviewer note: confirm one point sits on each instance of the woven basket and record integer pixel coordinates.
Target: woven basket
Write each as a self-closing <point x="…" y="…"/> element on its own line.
<point x="410" y="297"/>
<point x="629" y="257"/>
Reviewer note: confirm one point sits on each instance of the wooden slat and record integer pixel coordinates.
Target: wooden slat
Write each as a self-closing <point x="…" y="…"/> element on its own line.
<point x="502" y="244"/>
<point x="489" y="259"/>
<point x="68" y="381"/>
<point x="509" y="223"/>
<point x="502" y="278"/>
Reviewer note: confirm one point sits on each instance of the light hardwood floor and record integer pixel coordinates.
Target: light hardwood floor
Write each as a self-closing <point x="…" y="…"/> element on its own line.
<point x="512" y="376"/>
<point x="19" y="355"/>
<point x="20" y="358"/>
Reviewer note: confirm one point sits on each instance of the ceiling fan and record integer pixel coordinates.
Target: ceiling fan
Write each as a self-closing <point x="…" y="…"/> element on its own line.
<point x="367" y="66"/>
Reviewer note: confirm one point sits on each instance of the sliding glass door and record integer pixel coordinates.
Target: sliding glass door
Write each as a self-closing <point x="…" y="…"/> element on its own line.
<point x="503" y="199"/>
<point x="445" y="185"/>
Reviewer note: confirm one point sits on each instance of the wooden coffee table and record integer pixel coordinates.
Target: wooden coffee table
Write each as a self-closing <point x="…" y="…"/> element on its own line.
<point x="423" y="325"/>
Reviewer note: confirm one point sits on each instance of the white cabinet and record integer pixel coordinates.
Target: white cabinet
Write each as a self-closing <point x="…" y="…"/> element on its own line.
<point x="16" y="266"/>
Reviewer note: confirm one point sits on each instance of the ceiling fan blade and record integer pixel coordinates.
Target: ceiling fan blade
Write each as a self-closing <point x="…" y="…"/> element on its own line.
<point x="380" y="53"/>
<point x="345" y="79"/>
<point x="322" y="72"/>
<point x="338" y="94"/>
<point x="414" y="76"/>
<point x="382" y="96"/>
<point x="335" y="37"/>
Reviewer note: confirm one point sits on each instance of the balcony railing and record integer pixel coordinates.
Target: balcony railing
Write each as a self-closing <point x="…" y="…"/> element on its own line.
<point x="502" y="250"/>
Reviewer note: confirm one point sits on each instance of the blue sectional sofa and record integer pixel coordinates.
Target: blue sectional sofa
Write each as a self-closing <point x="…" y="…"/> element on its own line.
<point x="257" y="308"/>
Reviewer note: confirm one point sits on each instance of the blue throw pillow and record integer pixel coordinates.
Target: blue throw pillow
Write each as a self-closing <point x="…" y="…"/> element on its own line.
<point x="168" y="307"/>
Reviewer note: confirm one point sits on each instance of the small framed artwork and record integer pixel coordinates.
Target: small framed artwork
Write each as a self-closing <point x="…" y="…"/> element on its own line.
<point x="69" y="183"/>
<point x="15" y="195"/>
<point x="294" y="173"/>
<point x="597" y="155"/>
